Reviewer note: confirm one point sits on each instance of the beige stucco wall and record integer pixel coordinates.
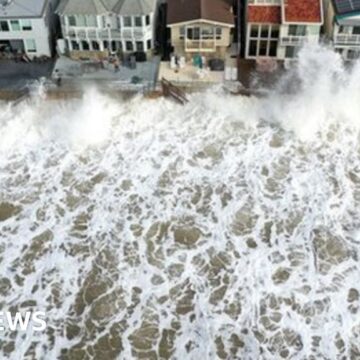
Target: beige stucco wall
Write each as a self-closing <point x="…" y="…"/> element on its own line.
<point x="329" y="19"/>
<point x="221" y="44"/>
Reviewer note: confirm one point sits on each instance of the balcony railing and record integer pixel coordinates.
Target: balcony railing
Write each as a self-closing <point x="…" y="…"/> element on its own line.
<point x="265" y="2"/>
<point x="347" y="39"/>
<point x="133" y="33"/>
<point x="104" y="34"/>
<point x="293" y="40"/>
<point x="200" y="45"/>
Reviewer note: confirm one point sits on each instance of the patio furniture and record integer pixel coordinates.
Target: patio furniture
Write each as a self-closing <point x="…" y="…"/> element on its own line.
<point x="216" y="65"/>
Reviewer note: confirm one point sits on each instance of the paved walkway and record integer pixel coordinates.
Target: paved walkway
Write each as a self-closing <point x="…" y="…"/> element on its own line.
<point x="144" y="74"/>
<point x="17" y="75"/>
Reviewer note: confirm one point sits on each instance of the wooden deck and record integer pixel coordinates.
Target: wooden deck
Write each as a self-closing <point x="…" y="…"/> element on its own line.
<point x="170" y="90"/>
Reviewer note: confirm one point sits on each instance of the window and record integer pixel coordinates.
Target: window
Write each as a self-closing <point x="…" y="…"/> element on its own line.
<point x="139" y="46"/>
<point x="4" y="26"/>
<point x="356" y="30"/>
<point x="297" y="30"/>
<point x="113" y="46"/>
<point x="26" y="25"/>
<point x="353" y="55"/>
<point x="80" y="20"/>
<point x="129" y="46"/>
<point x="274" y="32"/>
<point x="254" y="31"/>
<point x="30" y="45"/>
<point x="207" y="33"/>
<point x="138" y="21"/>
<point x="263" y="48"/>
<point x="182" y="32"/>
<point x="75" y="45"/>
<point x="147" y="20"/>
<point x="15" y="25"/>
<point x="253" y="48"/>
<point x="290" y="52"/>
<point x="106" y="45"/>
<point x="91" y="21"/>
<point x="193" y="33"/>
<point x="218" y="33"/>
<point x="345" y="29"/>
<point x="72" y="20"/>
<point x="264" y="31"/>
<point x="273" y="48"/>
<point x="95" y="45"/>
<point x="85" y="45"/>
<point x="127" y="21"/>
<point x="148" y="44"/>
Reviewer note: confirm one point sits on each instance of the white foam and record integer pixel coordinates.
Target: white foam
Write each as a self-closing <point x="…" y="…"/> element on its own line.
<point x="101" y="173"/>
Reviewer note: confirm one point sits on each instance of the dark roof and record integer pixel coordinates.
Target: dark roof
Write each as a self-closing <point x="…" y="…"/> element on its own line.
<point x="189" y="10"/>
<point x="343" y="7"/>
<point x="99" y="7"/>
<point x="22" y="8"/>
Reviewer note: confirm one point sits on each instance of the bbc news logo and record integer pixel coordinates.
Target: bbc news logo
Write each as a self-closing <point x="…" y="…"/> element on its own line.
<point x="22" y="321"/>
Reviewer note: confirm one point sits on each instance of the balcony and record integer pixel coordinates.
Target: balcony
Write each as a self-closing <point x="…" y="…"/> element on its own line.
<point x="293" y="40"/>
<point x="105" y="34"/>
<point x="200" y="45"/>
<point x="136" y="33"/>
<point x="265" y="2"/>
<point x="346" y="39"/>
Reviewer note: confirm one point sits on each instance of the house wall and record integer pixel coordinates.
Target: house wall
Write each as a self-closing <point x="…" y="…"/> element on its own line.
<point x="221" y="44"/>
<point x="110" y="31"/>
<point x="312" y="37"/>
<point x="270" y="39"/>
<point x="39" y="33"/>
<point x="283" y="40"/>
<point x="329" y="15"/>
<point x="43" y="30"/>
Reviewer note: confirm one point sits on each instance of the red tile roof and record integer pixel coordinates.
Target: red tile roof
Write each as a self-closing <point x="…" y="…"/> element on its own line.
<point x="307" y="11"/>
<point x="268" y="14"/>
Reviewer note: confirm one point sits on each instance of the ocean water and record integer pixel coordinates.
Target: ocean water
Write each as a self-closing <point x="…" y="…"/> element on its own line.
<point x="225" y="229"/>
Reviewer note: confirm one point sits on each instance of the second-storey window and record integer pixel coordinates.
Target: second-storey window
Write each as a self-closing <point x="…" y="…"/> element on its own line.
<point x="138" y="21"/>
<point x="193" y="33"/>
<point x="72" y="20"/>
<point x="4" y="26"/>
<point x="15" y="25"/>
<point x="147" y="20"/>
<point x="345" y="29"/>
<point x="127" y="21"/>
<point x="182" y="32"/>
<point x="26" y="25"/>
<point x="91" y="21"/>
<point x="207" y="33"/>
<point x="297" y="30"/>
<point x="356" y="30"/>
<point x="218" y="33"/>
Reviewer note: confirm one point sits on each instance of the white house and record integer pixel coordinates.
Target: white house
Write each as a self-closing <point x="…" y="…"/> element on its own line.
<point x="278" y="28"/>
<point x="27" y="26"/>
<point x="342" y="25"/>
<point x="93" y="28"/>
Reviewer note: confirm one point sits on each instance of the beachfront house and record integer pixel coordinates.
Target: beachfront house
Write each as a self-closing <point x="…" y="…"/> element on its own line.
<point x="95" y="28"/>
<point x="27" y="27"/>
<point x="200" y="27"/>
<point x="342" y="26"/>
<point x="276" y="29"/>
